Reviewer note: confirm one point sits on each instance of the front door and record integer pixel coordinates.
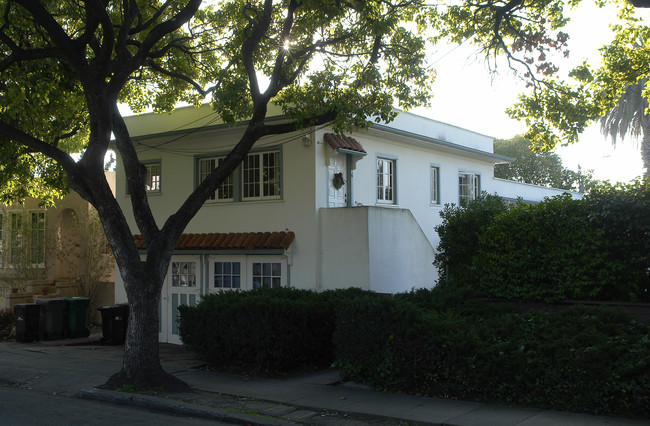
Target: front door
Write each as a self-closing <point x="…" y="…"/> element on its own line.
<point x="182" y="287"/>
<point x="337" y="197"/>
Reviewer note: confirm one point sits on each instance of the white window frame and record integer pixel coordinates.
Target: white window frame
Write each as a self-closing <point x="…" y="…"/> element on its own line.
<point x="214" y="286"/>
<point x="469" y="187"/>
<point x="226" y="191"/>
<point x="153" y="182"/>
<point x="264" y="276"/>
<point x="386" y="180"/>
<point x="262" y="190"/>
<point x="185" y="272"/>
<point x="15" y="236"/>
<point x="37" y="237"/>
<point x="248" y="270"/>
<point x="434" y="174"/>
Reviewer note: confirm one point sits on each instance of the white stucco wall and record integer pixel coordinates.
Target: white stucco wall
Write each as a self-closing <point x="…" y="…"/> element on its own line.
<point x="373" y="248"/>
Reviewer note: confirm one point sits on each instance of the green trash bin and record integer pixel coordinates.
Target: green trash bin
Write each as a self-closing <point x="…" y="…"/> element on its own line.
<point x="76" y="324"/>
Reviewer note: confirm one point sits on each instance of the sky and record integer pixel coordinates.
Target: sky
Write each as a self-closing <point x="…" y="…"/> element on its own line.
<point x="466" y="94"/>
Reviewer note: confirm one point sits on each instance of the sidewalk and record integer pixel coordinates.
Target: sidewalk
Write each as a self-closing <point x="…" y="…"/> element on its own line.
<point x="308" y="399"/>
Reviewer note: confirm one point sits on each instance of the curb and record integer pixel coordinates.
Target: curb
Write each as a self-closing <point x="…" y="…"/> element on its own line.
<point x="175" y="407"/>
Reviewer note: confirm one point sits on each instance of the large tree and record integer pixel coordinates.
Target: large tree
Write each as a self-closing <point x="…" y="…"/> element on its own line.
<point x="558" y="110"/>
<point x="537" y="168"/>
<point x="66" y="65"/>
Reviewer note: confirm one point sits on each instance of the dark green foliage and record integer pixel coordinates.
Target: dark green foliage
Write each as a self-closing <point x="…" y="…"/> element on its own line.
<point x="596" y="248"/>
<point x="7" y="322"/>
<point x="459" y="233"/>
<point x="583" y="359"/>
<point x="265" y="331"/>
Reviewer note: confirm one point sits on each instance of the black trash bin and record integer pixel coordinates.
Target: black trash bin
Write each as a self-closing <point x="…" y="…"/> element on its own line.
<point x="27" y="318"/>
<point x="114" y="323"/>
<point x="51" y="318"/>
<point x="76" y="318"/>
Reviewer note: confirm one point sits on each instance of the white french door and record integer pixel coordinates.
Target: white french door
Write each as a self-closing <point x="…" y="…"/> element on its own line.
<point x="182" y="287"/>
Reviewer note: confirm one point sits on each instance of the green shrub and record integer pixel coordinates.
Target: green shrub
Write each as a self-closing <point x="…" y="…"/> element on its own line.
<point x="583" y="359"/>
<point x="265" y="331"/>
<point x="459" y="233"/>
<point x="596" y="248"/>
<point x="7" y="323"/>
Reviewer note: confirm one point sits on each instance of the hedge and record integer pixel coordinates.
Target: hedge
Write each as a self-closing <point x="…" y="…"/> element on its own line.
<point x="595" y="249"/>
<point x="264" y="331"/>
<point x="583" y="359"/>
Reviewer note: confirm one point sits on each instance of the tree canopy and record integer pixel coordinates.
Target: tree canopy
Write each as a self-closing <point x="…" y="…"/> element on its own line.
<point x="65" y="66"/>
<point x="537" y="168"/>
<point x="558" y="110"/>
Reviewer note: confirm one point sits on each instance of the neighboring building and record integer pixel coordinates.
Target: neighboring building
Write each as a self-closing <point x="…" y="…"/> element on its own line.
<point x="32" y="244"/>
<point x="311" y="209"/>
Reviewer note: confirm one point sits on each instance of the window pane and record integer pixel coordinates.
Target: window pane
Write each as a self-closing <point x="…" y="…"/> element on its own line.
<point x="385" y="180"/>
<point x="236" y="281"/>
<point x="277" y="269"/>
<point x="218" y="267"/>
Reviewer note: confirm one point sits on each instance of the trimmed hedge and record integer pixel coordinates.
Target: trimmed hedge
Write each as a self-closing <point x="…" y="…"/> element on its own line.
<point x="583" y="359"/>
<point x="592" y="249"/>
<point x="264" y="331"/>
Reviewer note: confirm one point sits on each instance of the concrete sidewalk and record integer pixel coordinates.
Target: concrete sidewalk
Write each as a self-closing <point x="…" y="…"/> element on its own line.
<point x="57" y="367"/>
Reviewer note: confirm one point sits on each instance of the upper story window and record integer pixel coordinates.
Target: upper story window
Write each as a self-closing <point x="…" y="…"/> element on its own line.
<point x="37" y="237"/>
<point x="225" y="191"/>
<point x="15" y="244"/>
<point x="435" y="185"/>
<point x="261" y="176"/>
<point x="25" y="243"/>
<point x="152" y="181"/>
<point x="469" y="187"/>
<point x="385" y="180"/>
<point x="258" y="178"/>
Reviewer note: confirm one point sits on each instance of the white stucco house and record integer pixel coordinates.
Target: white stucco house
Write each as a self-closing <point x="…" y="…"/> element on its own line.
<point x="311" y="209"/>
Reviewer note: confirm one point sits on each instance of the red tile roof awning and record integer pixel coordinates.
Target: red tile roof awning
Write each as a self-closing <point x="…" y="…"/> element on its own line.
<point x="229" y="241"/>
<point x="345" y="143"/>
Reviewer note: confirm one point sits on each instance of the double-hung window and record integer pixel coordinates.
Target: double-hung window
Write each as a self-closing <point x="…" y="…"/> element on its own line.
<point x="225" y="191"/>
<point x="15" y="244"/>
<point x="385" y="181"/>
<point x="152" y="181"/>
<point x="435" y="185"/>
<point x="469" y="187"/>
<point x="261" y="176"/>
<point x="37" y="238"/>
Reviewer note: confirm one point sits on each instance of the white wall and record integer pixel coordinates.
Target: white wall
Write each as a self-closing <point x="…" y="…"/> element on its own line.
<point x="512" y="190"/>
<point x="373" y="248"/>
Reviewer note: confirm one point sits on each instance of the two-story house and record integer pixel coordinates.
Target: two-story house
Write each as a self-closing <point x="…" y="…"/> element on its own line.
<point x="310" y="209"/>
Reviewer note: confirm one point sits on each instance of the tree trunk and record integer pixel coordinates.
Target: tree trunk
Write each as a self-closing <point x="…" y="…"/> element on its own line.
<point x="141" y="368"/>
